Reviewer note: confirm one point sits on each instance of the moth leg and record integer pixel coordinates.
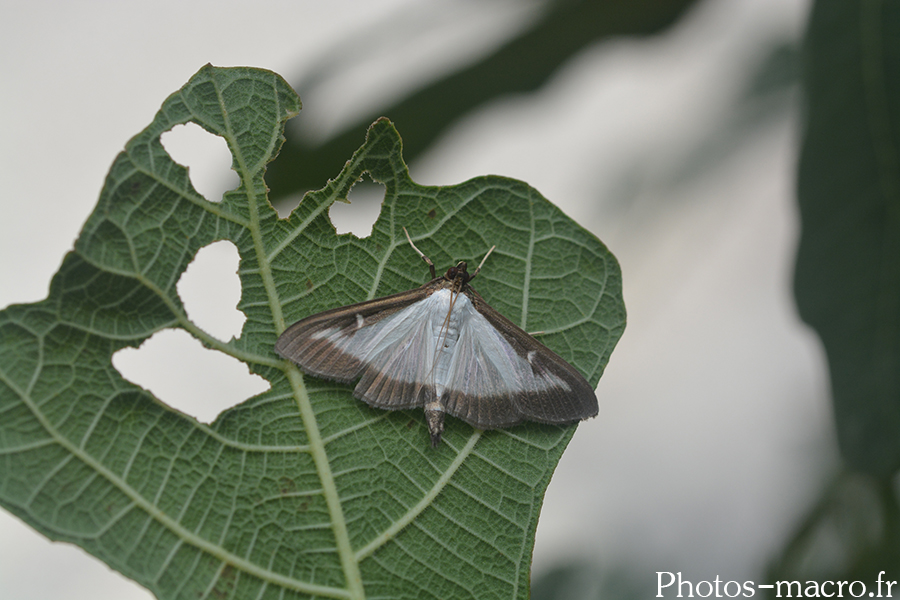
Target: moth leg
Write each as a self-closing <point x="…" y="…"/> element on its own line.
<point x="419" y="252"/>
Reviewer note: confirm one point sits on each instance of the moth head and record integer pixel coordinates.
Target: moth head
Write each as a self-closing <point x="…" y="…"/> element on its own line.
<point x="458" y="272"/>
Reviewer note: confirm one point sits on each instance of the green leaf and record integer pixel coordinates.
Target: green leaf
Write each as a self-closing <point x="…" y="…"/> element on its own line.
<point x="301" y="491"/>
<point x="848" y="264"/>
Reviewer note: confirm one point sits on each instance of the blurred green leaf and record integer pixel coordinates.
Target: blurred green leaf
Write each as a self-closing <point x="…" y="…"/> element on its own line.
<point x="586" y="580"/>
<point x="521" y="65"/>
<point x="851" y="534"/>
<point x="572" y="581"/>
<point x="847" y="279"/>
<point x="301" y="491"/>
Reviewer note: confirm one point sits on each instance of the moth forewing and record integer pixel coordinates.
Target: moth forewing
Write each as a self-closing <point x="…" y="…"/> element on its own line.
<point x="441" y="347"/>
<point x="317" y="344"/>
<point x="536" y="385"/>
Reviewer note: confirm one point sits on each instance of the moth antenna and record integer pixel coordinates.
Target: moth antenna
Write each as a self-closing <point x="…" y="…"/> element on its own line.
<point x="419" y="252"/>
<point x="481" y="264"/>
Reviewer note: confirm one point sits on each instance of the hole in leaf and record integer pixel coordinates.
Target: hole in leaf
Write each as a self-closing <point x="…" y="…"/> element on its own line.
<point x="360" y="215"/>
<point x="178" y="370"/>
<point x="205" y="155"/>
<point x="285" y="205"/>
<point x="210" y="290"/>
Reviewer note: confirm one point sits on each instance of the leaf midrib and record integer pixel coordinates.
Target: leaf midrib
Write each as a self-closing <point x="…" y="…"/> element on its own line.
<point x="352" y="576"/>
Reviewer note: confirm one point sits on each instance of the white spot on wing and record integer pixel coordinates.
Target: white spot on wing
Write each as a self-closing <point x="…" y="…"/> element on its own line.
<point x="359" y="321"/>
<point x="325" y="333"/>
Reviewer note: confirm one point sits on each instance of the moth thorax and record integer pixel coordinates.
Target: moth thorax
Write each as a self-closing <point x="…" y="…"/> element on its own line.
<point x="445" y="326"/>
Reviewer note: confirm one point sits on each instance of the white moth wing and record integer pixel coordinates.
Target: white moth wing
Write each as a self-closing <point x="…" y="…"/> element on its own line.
<point x="393" y="355"/>
<point x="321" y="344"/>
<point x="504" y="376"/>
<point x="490" y="381"/>
<point x="485" y="364"/>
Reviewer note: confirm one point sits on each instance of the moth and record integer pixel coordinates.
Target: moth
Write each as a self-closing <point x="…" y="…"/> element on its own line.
<point x="443" y="348"/>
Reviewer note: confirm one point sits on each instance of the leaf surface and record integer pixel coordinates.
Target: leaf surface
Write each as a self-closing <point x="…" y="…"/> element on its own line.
<point x="301" y="491"/>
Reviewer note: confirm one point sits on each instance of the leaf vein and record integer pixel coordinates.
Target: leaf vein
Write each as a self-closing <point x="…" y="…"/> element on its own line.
<point x="410" y="515"/>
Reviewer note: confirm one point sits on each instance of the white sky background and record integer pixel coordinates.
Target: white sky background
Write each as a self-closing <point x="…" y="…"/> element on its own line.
<point x="714" y="430"/>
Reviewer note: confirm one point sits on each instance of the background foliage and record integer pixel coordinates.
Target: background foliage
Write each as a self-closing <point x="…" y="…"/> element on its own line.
<point x="848" y="282"/>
